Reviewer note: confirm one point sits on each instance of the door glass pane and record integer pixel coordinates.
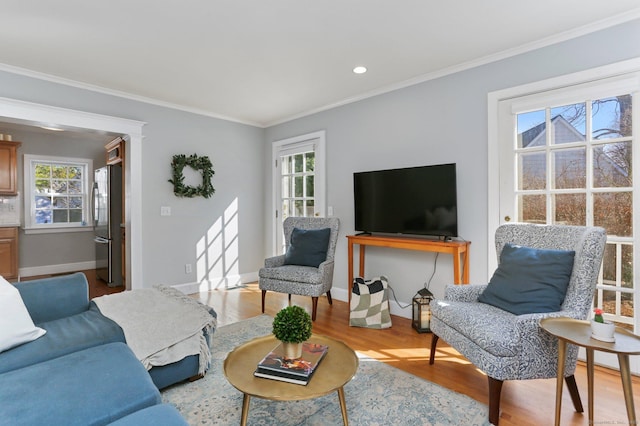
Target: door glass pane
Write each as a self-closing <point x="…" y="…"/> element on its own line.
<point x="568" y="123"/>
<point x="286" y="186"/>
<point x="309" y="186"/>
<point x="532" y="208"/>
<point x="613" y="211"/>
<point x="533" y="171"/>
<point x="531" y="129"/>
<point x="611" y="117"/>
<point x="298" y="189"/>
<point x="570" y="166"/>
<point x="612" y="165"/>
<point x="298" y="208"/>
<point x="571" y="209"/>
<point x="298" y="163"/>
<point x="310" y="161"/>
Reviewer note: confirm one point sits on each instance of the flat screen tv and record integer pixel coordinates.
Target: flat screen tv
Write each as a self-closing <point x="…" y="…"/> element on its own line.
<point x="414" y="201"/>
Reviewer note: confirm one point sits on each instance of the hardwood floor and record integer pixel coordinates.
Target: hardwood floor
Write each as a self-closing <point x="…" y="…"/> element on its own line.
<point x="529" y="402"/>
<point x="97" y="287"/>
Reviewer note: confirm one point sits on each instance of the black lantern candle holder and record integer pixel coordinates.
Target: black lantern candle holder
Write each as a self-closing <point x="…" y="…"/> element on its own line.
<point x="422" y="311"/>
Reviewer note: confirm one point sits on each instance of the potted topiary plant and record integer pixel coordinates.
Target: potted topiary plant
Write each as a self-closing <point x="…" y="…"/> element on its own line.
<point x="292" y="326"/>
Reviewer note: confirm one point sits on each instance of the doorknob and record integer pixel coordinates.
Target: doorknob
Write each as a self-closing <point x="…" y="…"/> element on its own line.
<point x="507" y="218"/>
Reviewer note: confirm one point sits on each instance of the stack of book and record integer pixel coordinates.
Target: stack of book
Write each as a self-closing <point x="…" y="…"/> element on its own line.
<point x="299" y="371"/>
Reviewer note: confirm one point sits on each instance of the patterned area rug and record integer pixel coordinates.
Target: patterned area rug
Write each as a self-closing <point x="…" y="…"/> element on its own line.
<point x="378" y="395"/>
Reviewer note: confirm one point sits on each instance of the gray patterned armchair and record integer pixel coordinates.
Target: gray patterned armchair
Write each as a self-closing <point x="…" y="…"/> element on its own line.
<point x="514" y="347"/>
<point x="297" y="279"/>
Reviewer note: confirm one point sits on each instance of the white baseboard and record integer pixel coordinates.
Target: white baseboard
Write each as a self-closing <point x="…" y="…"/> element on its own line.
<point x="219" y="283"/>
<point x="56" y="269"/>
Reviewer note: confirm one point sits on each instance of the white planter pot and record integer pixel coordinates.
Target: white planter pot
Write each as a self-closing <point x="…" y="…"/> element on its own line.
<point x="603" y="331"/>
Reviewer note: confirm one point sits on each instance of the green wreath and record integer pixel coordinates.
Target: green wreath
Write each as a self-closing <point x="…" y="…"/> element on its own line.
<point x="203" y="165"/>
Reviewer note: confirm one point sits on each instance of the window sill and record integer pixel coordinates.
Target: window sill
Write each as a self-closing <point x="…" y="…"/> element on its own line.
<point x="58" y="230"/>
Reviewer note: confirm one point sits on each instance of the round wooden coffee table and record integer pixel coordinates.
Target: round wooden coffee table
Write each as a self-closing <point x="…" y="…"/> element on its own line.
<point x="337" y="368"/>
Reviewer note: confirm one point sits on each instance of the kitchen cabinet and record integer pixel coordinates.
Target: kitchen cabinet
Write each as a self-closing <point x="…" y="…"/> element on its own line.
<point x="9" y="167"/>
<point x="9" y="252"/>
<point x="115" y="151"/>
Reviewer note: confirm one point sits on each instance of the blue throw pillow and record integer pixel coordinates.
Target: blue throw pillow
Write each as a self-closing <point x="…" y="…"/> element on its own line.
<point x="308" y="247"/>
<point x="529" y="280"/>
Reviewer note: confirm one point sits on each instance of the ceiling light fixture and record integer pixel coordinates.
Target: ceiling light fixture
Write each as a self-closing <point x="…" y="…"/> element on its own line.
<point x="360" y="70"/>
<point x="54" y="129"/>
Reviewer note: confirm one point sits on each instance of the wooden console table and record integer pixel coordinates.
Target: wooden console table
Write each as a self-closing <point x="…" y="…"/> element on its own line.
<point x="456" y="248"/>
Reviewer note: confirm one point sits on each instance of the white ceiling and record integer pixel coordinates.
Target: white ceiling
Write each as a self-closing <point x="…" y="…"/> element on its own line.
<point x="263" y="62"/>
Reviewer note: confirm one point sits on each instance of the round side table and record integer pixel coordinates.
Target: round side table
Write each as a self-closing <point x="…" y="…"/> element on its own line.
<point x="578" y="332"/>
<point x="337" y="368"/>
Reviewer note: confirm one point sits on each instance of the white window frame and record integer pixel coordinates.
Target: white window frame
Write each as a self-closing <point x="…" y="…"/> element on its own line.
<point x="30" y="225"/>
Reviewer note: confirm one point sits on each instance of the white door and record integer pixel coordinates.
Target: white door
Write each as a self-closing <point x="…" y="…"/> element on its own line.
<point x="567" y="157"/>
<point x="299" y="181"/>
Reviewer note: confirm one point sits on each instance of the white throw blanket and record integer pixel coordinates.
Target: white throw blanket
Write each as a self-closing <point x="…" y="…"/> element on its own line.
<point x="161" y="324"/>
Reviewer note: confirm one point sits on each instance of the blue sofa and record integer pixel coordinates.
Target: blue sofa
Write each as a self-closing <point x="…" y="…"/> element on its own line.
<point x="81" y="371"/>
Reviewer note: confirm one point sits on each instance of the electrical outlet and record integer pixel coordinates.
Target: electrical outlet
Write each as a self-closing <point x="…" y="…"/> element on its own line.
<point x="187" y="268"/>
<point x="165" y="211"/>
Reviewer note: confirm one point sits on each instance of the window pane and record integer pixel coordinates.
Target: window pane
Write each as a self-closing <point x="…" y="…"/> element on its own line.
<point x="571" y="209"/>
<point x="611" y="117"/>
<point x="43" y="186"/>
<point x="59" y="172"/>
<point x="298" y="163"/>
<point x="533" y="208"/>
<point x="531" y="129"/>
<point x="298" y="207"/>
<point x="627" y="265"/>
<point x="60" y="216"/>
<point x="568" y="123"/>
<point x="310" y="211"/>
<point x="59" y="186"/>
<point x="75" y="215"/>
<point x="286" y="209"/>
<point x="286" y="164"/>
<point x="43" y="201"/>
<point x="286" y="186"/>
<point x="43" y="216"/>
<point x="533" y="169"/>
<point x="75" y="172"/>
<point x="43" y="171"/>
<point x="310" y="161"/>
<point x="309" y="182"/>
<point x="75" y="202"/>
<point x="609" y="264"/>
<point x="612" y="165"/>
<point x="570" y="167"/>
<point x="297" y="186"/>
<point x="60" y="202"/>
<point x="612" y="211"/>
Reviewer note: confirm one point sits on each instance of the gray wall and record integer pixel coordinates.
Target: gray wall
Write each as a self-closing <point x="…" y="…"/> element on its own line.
<point x="169" y="242"/>
<point x="438" y="121"/>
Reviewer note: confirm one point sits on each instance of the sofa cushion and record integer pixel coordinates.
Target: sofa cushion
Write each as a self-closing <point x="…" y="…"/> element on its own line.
<point x="529" y="280"/>
<point x="308" y="247"/>
<point x="66" y="335"/>
<point x="95" y="386"/>
<point x="16" y="325"/>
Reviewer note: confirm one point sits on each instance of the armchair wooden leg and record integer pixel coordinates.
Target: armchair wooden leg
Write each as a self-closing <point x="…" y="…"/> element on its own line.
<point x="495" y="388"/>
<point x="329" y="297"/>
<point x="264" y="293"/>
<point x="314" y="309"/>
<point x="434" y="342"/>
<point x="289" y="299"/>
<point x="573" y="391"/>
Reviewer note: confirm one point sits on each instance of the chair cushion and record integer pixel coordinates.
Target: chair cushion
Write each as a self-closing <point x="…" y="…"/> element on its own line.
<point x="492" y="329"/>
<point x="16" y="325"/>
<point x="529" y="280"/>
<point x="308" y="247"/>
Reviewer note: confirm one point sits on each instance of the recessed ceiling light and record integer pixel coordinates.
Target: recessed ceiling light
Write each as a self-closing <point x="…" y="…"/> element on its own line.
<point x="360" y="70"/>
